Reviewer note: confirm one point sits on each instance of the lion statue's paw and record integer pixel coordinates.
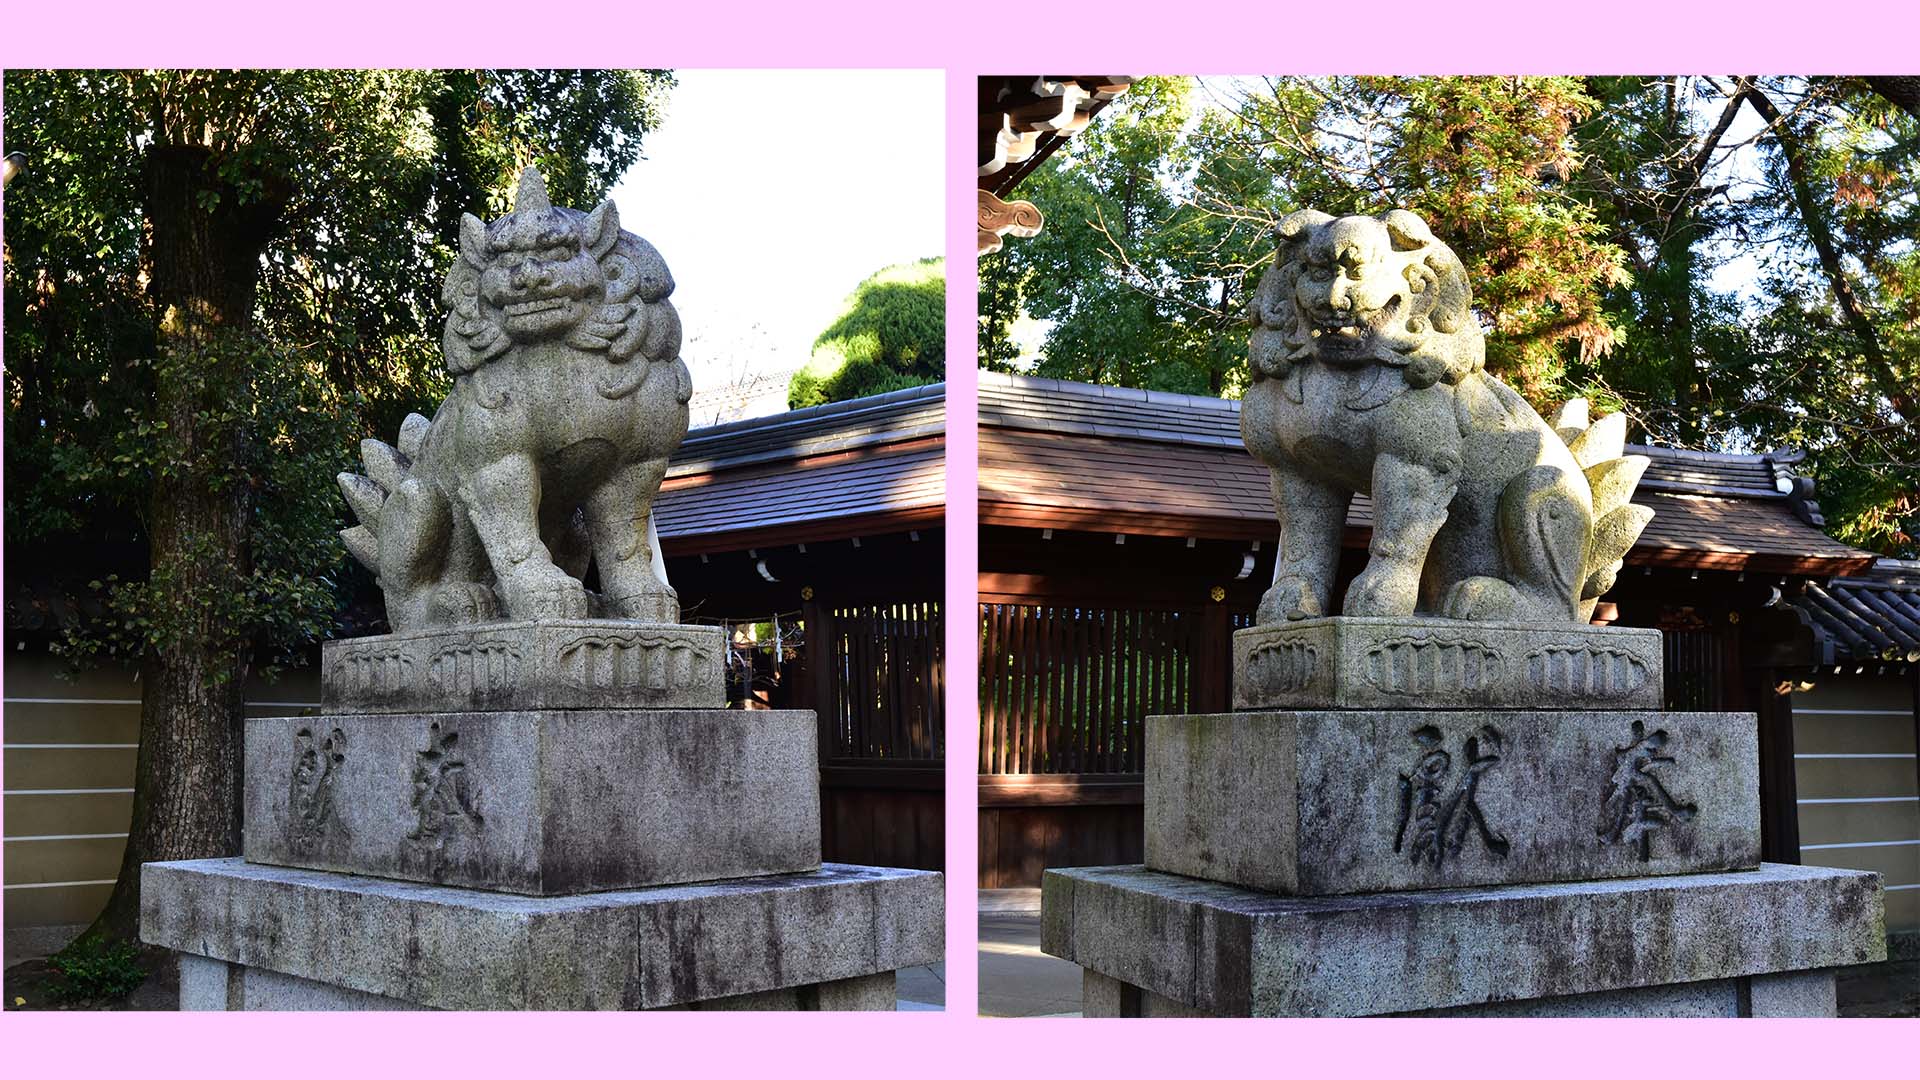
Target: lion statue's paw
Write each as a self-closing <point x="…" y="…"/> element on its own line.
<point x="1290" y="599"/>
<point x="1481" y="599"/>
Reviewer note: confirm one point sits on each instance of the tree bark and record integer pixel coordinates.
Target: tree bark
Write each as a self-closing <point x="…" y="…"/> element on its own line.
<point x="203" y="268"/>
<point x="1902" y="90"/>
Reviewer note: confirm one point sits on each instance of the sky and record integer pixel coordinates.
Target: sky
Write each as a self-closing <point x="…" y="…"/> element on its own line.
<point x="771" y="194"/>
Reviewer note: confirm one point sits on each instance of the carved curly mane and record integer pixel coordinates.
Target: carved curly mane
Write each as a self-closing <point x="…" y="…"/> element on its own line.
<point x="1433" y="337"/>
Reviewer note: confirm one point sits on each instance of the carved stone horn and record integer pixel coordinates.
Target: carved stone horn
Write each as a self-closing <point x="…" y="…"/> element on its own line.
<point x="533" y="191"/>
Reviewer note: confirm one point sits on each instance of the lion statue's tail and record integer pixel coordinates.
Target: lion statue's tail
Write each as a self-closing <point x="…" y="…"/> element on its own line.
<point x="404" y="523"/>
<point x="1600" y="449"/>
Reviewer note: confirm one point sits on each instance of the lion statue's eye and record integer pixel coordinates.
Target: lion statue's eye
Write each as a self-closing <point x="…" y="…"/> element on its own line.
<point x="557" y="254"/>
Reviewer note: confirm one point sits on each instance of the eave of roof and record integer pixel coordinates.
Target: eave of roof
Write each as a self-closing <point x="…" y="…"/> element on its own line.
<point x="1871" y="617"/>
<point x="849" y="468"/>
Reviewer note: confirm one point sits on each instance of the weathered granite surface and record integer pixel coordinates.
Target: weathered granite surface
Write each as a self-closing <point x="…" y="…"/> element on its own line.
<point x="568" y="398"/>
<point x="208" y="985"/>
<point x="549" y="664"/>
<point x="1796" y="994"/>
<point x="539" y="802"/>
<point x="1368" y="370"/>
<point x="1431" y="663"/>
<point x="1229" y="951"/>
<point x="444" y="948"/>
<point x="1321" y="802"/>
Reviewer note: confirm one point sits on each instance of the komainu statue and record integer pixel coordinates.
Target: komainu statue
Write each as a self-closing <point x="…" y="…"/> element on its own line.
<point x="568" y="397"/>
<point x="1368" y="377"/>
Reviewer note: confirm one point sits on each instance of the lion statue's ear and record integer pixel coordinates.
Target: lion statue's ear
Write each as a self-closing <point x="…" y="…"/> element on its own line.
<point x="1407" y="231"/>
<point x="601" y="230"/>
<point x="1296" y="225"/>
<point x="473" y="241"/>
<point x="1452" y="296"/>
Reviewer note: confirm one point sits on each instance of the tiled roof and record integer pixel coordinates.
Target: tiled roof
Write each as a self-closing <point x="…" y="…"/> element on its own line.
<point x="871" y="464"/>
<point x="1073" y="455"/>
<point x="1875" y="616"/>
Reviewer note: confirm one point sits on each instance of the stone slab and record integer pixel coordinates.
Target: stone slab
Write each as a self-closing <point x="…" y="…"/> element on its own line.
<point x="444" y="948"/>
<point x="1351" y="662"/>
<point x="537" y="802"/>
<point x="1228" y="951"/>
<point x="1331" y="801"/>
<point x="531" y="664"/>
<point x="253" y="989"/>
<point x="1751" y="996"/>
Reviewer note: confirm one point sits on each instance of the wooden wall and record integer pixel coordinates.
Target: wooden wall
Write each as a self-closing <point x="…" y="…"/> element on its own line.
<point x="69" y="755"/>
<point x="1856" y="782"/>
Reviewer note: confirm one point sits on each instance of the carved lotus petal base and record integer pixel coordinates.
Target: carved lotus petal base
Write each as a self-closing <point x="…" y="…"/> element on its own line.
<point x="545" y="664"/>
<point x="1346" y="662"/>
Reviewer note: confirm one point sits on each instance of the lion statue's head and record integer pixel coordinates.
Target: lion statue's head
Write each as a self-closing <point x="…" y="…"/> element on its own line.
<point x="544" y="272"/>
<point x="1363" y="290"/>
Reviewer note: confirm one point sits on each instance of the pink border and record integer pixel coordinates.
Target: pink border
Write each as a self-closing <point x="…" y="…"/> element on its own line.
<point x="1119" y="35"/>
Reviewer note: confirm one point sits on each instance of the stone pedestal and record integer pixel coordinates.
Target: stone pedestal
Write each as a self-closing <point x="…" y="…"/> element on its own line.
<point x="1434" y="818"/>
<point x="287" y="938"/>
<point x="481" y="824"/>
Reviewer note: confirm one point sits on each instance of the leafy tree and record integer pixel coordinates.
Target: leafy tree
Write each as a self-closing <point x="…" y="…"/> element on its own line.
<point x="890" y="335"/>
<point x="1729" y="260"/>
<point x="216" y="283"/>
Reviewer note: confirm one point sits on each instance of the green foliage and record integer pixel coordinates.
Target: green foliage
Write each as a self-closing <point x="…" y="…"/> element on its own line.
<point x="1597" y="218"/>
<point x="890" y="335"/>
<point x="357" y="180"/>
<point x="96" y="968"/>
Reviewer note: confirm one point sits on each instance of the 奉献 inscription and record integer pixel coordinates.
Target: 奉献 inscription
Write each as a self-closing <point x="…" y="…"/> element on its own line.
<point x="443" y="794"/>
<point x="310" y="793"/>
<point x="1637" y="803"/>
<point x="1441" y="817"/>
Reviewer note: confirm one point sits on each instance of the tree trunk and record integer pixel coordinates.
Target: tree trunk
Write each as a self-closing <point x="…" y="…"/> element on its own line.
<point x="203" y="268"/>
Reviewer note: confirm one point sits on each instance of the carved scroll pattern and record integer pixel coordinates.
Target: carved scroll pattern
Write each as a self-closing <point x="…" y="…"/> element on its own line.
<point x="1432" y="665"/>
<point x="632" y="661"/>
<point x="475" y="667"/>
<point x="1282" y="666"/>
<point x="1586" y="671"/>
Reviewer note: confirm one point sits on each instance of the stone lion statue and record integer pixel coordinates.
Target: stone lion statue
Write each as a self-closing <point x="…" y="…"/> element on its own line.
<point x="1368" y="377"/>
<point x="568" y="398"/>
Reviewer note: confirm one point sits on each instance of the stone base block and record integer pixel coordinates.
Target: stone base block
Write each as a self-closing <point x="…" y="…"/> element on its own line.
<point x="541" y="803"/>
<point x="1345" y="662"/>
<point x="1218" y="950"/>
<point x="1795" y="994"/>
<point x="1328" y="802"/>
<point x="433" y="947"/>
<point x="208" y="985"/>
<point x="544" y="664"/>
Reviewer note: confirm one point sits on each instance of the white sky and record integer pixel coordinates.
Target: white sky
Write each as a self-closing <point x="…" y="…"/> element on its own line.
<point x="771" y="194"/>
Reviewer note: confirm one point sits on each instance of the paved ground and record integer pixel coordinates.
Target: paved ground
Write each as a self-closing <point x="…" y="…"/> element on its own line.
<point x="923" y="989"/>
<point x="1016" y="978"/>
